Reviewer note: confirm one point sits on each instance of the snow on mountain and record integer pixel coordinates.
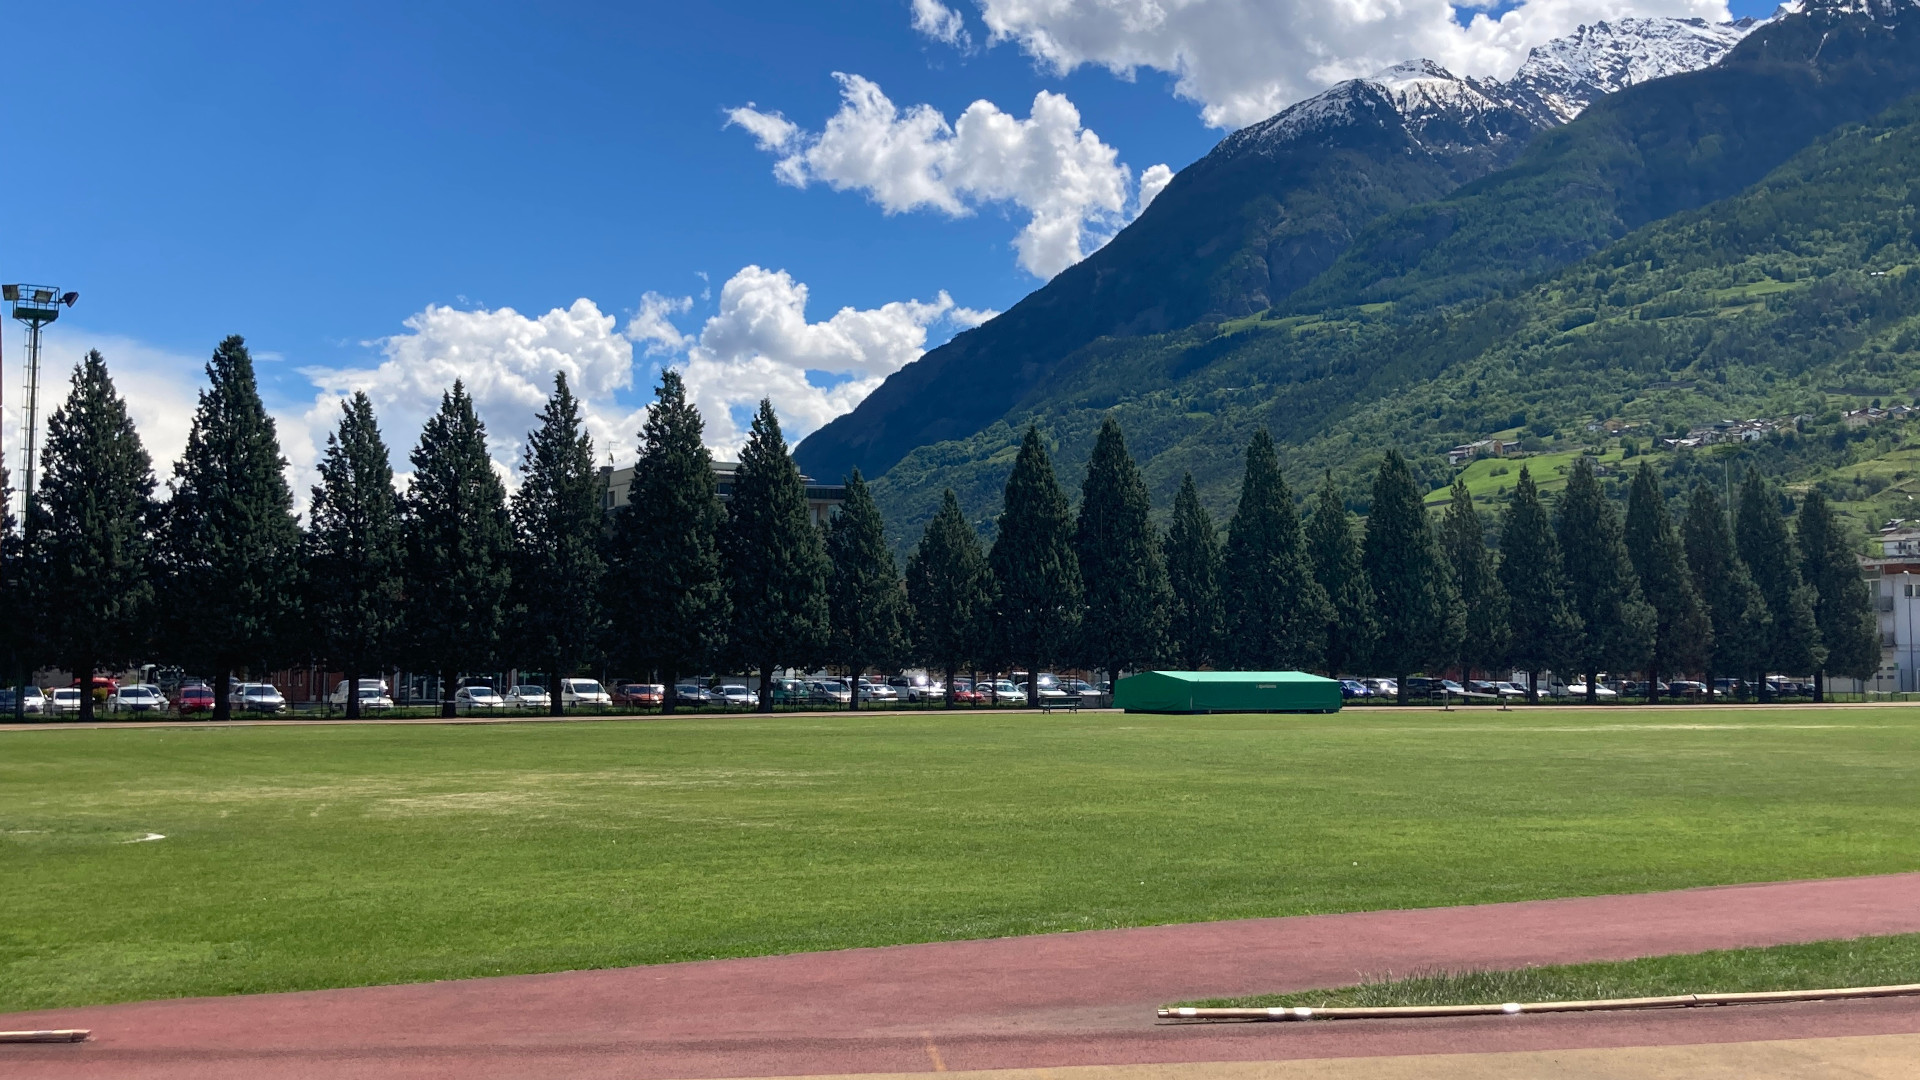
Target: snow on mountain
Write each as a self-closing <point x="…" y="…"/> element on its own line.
<point x="1567" y="74"/>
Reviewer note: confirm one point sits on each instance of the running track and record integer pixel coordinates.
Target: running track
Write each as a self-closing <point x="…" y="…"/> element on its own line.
<point x="1061" y="999"/>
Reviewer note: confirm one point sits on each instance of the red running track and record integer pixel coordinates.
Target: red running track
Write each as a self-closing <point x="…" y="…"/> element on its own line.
<point x="1059" y="999"/>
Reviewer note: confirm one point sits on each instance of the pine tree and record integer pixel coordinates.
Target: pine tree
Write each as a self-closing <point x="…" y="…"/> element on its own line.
<point x="1036" y="593"/>
<point x="1419" y="612"/>
<point x="1760" y="531"/>
<point x="1843" y="605"/>
<point x="1683" y="632"/>
<point x="1738" y="613"/>
<point x="1616" y="624"/>
<point x="92" y="532"/>
<point x="354" y="549"/>
<point x="668" y="594"/>
<point x="1276" y="613"/>
<point x="555" y="615"/>
<point x="233" y="544"/>
<point x="1194" y="567"/>
<point x="1542" y="625"/>
<point x="459" y="544"/>
<point x="866" y="599"/>
<point x="776" y="563"/>
<point x="1483" y="601"/>
<point x="1333" y="550"/>
<point x="948" y="584"/>
<point x="14" y="633"/>
<point x="1122" y="576"/>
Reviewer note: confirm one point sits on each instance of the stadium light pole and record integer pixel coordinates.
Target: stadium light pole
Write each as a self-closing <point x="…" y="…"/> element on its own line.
<point x="35" y="306"/>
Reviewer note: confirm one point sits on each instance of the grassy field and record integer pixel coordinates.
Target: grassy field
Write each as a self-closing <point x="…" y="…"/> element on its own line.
<point x="331" y="856"/>
<point x="1821" y="965"/>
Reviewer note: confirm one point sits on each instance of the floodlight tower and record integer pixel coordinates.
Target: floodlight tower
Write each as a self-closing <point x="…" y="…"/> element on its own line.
<point x="36" y="306"/>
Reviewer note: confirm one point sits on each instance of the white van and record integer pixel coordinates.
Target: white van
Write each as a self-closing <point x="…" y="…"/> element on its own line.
<point x="373" y="694"/>
<point x="583" y="692"/>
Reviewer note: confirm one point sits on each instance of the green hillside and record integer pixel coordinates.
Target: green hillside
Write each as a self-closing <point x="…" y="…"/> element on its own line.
<point x="1794" y="297"/>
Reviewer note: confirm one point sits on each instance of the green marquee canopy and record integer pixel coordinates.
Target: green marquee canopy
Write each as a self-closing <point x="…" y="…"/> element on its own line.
<point x="1226" y="691"/>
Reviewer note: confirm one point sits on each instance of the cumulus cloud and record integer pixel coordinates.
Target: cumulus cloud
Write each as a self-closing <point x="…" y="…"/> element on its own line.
<point x="941" y="23"/>
<point x="1152" y="183"/>
<point x="1071" y="184"/>
<point x="1244" y="60"/>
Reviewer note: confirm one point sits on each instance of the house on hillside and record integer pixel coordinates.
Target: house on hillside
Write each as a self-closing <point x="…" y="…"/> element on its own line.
<point x="1466" y="452"/>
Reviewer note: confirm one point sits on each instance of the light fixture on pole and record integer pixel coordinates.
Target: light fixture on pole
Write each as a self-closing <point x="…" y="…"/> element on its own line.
<point x="36" y="306"/>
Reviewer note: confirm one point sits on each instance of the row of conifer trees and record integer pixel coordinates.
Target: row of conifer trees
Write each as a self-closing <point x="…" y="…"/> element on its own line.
<point x="454" y="575"/>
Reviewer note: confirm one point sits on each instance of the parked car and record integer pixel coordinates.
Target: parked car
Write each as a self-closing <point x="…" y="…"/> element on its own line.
<point x="1579" y="690"/>
<point x="639" y="694"/>
<point x="829" y="692"/>
<point x="875" y="690"/>
<point x="1001" y="692"/>
<point x="965" y="694"/>
<point x="1497" y="687"/>
<point x="1354" y="688"/>
<point x="1050" y="688"/>
<point x="583" y="692"/>
<point x="63" y="699"/>
<point x="137" y="699"/>
<point x="1687" y="688"/>
<point x="33" y="702"/>
<point x="1730" y="687"/>
<point x="692" y="694"/>
<point x="373" y="694"/>
<point x="1382" y="687"/>
<point x="791" y="692"/>
<point x="194" y="697"/>
<point x="258" y="697"/>
<point x="735" y="696"/>
<point x="1419" y="686"/>
<point x="917" y="687"/>
<point x="482" y="698"/>
<point x="527" y="696"/>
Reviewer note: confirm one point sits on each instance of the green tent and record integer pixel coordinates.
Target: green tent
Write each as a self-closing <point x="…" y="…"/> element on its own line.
<point x="1226" y="691"/>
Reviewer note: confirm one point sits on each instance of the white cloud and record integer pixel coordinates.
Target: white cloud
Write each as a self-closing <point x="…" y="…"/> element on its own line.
<point x="941" y="23"/>
<point x="653" y="324"/>
<point x="967" y="318"/>
<point x="1071" y="183"/>
<point x="1152" y="183"/>
<point x="1244" y="60"/>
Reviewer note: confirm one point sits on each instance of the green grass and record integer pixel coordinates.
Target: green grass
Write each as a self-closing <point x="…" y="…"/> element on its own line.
<point x="332" y="856"/>
<point x="1870" y="961"/>
<point x="1495" y="477"/>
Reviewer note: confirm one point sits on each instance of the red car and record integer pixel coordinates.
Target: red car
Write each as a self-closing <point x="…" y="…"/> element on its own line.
<point x="639" y="693"/>
<point x="195" y="698"/>
<point x="965" y="694"/>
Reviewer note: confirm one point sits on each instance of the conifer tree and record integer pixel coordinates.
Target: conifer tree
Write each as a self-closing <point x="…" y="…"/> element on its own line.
<point x="1738" y="613"/>
<point x="1542" y="624"/>
<point x="232" y="542"/>
<point x="866" y="599"/>
<point x="1419" y="613"/>
<point x="1036" y="578"/>
<point x="948" y="585"/>
<point x="354" y="550"/>
<point x="14" y="647"/>
<point x="559" y="527"/>
<point x="93" y="544"/>
<point x="1276" y="613"/>
<point x="667" y="590"/>
<point x="459" y="547"/>
<point x="1683" y="632"/>
<point x="1760" y="530"/>
<point x="775" y="561"/>
<point x="1333" y="550"/>
<point x="1193" y="558"/>
<point x="1616" y="624"/>
<point x="1843" y="605"/>
<point x="1123" y="577"/>
<point x="1483" y="601"/>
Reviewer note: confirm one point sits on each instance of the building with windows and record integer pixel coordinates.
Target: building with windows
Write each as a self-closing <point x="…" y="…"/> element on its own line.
<point x="821" y="498"/>
<point x="1893" y="576"/>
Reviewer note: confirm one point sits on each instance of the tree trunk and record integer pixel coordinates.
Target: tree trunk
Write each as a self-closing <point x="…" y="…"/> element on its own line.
<point x="353" y="691"/>
<point x="223" y="694"/>
<point x="1533" y="688"/>
<point x="1593" y="685"/>
<point x="1653" y="681"/>
<point x="1709" y="677"/>
<point x="1400" y="689"/>
<point x="1033" y="684"/>
<point x="83" y="674"/>
<point x="447" y="706"/>
<point x="1760" y="691"/>
<point x="670" y="693"/>
<point x="948" y="703"/>
<point x="853" y="686"/>
<point x="766" y="686"/>
<point x="556" y="699"/>
<point x="1819" y="686"/>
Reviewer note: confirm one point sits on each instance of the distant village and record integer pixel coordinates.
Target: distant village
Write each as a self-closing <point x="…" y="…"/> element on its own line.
<point x="1723" y="431"/>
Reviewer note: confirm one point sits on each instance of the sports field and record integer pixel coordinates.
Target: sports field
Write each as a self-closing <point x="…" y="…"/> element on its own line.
<point x="330" y="856"/>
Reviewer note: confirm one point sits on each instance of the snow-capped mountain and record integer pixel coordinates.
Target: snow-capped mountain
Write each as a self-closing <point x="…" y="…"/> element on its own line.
<point x="1443" y="111"/>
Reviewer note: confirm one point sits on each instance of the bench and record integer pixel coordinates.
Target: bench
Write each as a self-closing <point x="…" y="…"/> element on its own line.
<point x="1071" y="703"/>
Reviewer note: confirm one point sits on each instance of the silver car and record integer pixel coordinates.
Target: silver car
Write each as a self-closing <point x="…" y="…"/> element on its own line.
<point x="258" y="697"/>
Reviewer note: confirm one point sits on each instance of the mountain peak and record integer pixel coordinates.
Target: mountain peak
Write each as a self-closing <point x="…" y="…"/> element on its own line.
<point x="1562" y="77"/>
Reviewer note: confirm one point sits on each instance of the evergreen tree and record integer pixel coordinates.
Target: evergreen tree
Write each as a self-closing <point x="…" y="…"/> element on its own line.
<point x="1419" y="613"/>
<point x="668" y="592"/>
<point x="1333" y="550"/>
<point x="1843" y="605"/>
<point x="1122" y="576"/>
<point x="1036" y="594"/>
<point x="233" y="544"/>
<point x="92" y="539"/>
<point x="354" y="550"/>
<point x="1483" y="601"/>
<point x="1276" y="613"/>
<point x="1738" y="613"/>
<point x="866" y="599"/>
<point x="948" y="586"/>
<point x="1683" y="632"/>
<point x="559" y="527"/>
<point x="1616" y="624"/>
<point x="459" y="547"/>
<point x="1542" y="624"/>
<point x="1195" y="615"/>
<point x="1760" y="530"/>
<point x="775" y="561"/>
<point x="14" y="633"/>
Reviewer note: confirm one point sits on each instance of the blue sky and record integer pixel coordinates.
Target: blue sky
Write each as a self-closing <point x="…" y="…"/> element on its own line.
<point x="315" y="176"/>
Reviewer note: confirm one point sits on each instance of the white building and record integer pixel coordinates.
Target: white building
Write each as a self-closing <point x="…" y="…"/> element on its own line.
<point x="1894" y="577"/>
